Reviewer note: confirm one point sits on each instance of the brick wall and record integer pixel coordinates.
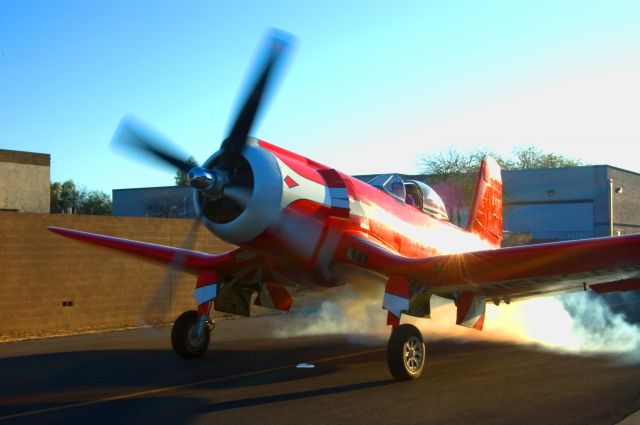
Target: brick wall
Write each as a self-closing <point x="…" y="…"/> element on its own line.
<point x="20" y="157"/>
<point x="42" y="273"/>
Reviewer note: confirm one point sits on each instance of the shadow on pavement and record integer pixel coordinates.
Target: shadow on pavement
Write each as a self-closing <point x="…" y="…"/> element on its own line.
<point x="51" y="381"/>
<point x="254" y="401"/>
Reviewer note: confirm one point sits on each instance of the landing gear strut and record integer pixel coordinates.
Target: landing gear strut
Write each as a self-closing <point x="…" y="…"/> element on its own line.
<point x="406" y="353"/>
<point x="185" y="340"/>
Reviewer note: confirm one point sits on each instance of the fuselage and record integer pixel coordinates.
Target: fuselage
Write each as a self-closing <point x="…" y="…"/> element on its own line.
<point x="299" y="209"/>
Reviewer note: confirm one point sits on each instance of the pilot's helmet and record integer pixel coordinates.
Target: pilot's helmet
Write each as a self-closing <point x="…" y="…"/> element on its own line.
<point x="397" y="188"/>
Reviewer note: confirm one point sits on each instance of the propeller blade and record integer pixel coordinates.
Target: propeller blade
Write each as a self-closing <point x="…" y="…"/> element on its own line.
<point x="278" y="45"/>
<point x="152" y="315"/>
<point x="241" y="195"/>
<point x="134" y="135"/>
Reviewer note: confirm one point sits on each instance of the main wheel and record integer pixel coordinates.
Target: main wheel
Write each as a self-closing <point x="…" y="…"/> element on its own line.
<point x="406" y="353"/>
<point x="184" y="340"/>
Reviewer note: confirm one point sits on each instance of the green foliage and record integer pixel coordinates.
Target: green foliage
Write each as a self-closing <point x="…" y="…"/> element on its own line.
<point x="94" y="202"/>
<point x="181" y="177"/>
<point x="66" y="198"/>
<point x="454" y="162"/>
<point x="524" y="157"/>
<point x="528" y="157"/>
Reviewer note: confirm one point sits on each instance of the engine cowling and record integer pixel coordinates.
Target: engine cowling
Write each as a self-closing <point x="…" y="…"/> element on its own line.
<point x="256" y="176"/>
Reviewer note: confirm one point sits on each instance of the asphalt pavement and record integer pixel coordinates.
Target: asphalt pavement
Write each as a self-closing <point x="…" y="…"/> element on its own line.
<point x="250" y="377"/>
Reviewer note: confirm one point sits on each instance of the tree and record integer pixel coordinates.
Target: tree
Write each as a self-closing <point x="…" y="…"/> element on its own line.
<point x="454" y="162"/>
<point x="524" y="157"/>
<point x="66" y="198"/>
<point x="181" y="177"/>
<point x="94" y="202"/>
<point x="528" y="157"/>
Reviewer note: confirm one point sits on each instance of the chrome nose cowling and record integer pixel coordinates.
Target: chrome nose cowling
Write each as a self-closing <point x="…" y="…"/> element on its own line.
<point x="210" y="182"/>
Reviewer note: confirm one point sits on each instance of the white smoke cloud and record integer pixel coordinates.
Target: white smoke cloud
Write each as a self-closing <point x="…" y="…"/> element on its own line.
<point x="353" y="310"/>
<point x="600" y="329"/>
<point x="575" y="323"/>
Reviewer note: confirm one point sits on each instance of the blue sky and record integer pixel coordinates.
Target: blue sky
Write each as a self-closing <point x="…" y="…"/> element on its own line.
<point x="371" y="86"/>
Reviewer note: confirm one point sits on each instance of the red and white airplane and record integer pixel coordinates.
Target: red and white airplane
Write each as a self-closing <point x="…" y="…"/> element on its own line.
<point x="299" y="223"/>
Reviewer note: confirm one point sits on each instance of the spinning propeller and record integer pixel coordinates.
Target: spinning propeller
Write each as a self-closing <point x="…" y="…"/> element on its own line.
<point x="222" y="180"/>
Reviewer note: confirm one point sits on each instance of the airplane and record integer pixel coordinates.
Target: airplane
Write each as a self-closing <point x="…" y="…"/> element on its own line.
<point x="298" y="224"/>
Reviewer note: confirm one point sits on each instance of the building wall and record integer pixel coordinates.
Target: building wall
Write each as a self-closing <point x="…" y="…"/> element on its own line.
<point x="40" y="272"/>
<point x="550" y="185"/>
<point x="626" y="203"/>
<point x="601" y="201"/>
<point x="167" y="201"/>
<point x="550" y="204"/>
<point x="549" y="222"/>
<point x="24" y="181"/>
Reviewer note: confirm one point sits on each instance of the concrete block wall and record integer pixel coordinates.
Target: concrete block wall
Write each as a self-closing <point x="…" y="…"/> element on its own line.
<point x="24" y="187"/>
<point x="50" y="284"/>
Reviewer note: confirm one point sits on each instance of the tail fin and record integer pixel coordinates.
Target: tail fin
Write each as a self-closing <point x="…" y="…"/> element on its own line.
<point x="485" y="215"/>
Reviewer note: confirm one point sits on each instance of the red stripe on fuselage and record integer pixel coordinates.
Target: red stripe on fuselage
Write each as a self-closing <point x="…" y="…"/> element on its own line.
<point x="396" y="225"/>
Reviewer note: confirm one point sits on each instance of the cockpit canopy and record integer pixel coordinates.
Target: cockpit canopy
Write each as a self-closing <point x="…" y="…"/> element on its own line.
<point x="413" y="192"/>
<point x="426" y="199"/>
<point x="390" y="183"/>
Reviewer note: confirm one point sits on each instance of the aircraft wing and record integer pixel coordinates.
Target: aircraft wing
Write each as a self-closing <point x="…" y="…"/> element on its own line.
<point x="245" y="270"/>
<point x="602" y="264"/>
<point x="189" y="261"/>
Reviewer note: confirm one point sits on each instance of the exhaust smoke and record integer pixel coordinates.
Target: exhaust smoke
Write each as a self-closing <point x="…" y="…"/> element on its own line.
<point x="352" y="310"/>
<point x="579" y="323"/>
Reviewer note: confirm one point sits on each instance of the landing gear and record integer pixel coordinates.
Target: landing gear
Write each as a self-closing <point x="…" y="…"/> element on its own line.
<point x="185" y="340"/>
<point x="406" y="353"/>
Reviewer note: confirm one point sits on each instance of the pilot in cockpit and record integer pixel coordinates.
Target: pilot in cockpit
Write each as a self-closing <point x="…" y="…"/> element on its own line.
<point x="410" y="199"/>
<point x="397" y="188"/>
<point x="412" y="192"/>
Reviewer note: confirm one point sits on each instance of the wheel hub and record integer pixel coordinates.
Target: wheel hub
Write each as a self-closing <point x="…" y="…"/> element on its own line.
<point x="413" y="353"/>
<point x="193" y="338"/>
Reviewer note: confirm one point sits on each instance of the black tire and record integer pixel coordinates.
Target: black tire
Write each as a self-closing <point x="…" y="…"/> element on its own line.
<point x="406" y="353"/>
<point x="183" y="340"/>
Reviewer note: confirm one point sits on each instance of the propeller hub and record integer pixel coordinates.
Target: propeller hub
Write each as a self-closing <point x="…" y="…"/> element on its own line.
<point x="210" y="182"/>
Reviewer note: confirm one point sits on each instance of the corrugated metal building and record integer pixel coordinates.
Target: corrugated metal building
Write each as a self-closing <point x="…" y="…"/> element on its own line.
<point x="572" y="203"/>
<point x="163" y="201"/>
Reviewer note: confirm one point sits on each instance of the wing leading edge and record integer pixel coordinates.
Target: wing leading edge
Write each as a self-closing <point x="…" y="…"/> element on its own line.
<point x="524" y="271"/>
<point x="190" y="261"/>
<point x="472" y="279"/>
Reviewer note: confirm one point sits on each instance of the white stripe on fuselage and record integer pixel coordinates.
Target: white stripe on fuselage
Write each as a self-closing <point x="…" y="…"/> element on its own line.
<point x="306" y="189"/>
<point x="438" y="235"/>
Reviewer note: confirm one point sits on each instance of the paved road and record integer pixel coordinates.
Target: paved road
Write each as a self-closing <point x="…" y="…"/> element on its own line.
<point x="133" y="377"/>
